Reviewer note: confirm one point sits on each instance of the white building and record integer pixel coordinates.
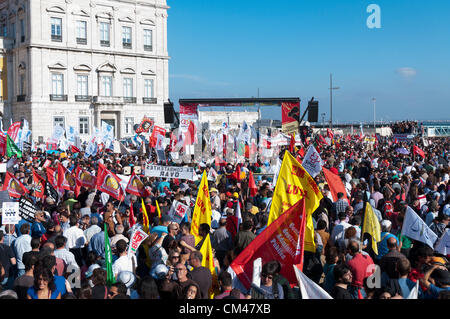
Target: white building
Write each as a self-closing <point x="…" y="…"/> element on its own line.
<point x="79" y="62"/>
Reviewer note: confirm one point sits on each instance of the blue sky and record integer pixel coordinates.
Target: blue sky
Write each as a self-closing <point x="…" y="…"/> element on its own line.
<point x="288" y="48"/>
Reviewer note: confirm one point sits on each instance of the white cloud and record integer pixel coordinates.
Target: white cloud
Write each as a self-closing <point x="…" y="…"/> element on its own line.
<point x="407" y="73"/>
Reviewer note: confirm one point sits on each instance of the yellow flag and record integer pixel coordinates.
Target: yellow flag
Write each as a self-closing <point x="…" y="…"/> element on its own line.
<point x="157" y="208"/>
<point x="293" y="184"/>
<point x="208" y="262"/>
<point x="371" y="226"/>
<point x="146" y="223"/>
<point x="202" y="210"/>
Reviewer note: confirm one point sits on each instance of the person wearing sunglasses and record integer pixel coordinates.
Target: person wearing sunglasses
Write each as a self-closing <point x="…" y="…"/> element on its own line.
<point x="268" y="288"/>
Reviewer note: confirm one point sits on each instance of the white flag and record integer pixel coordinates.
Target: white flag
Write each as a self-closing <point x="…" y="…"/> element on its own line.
<point x="257" y="267"/>
<point x="415" y="228"/>
<point x="58" y="132"/>
<point x="443" y="245"/>
<point x="414" y="293"/>
<point x="308" y="288"/>
<point x="312" y="162"/>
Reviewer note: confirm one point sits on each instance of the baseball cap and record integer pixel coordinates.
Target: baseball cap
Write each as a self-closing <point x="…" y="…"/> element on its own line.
<point x="127" y="278"/>
<point x="91" y="269"/>
<point x="214" y="190"/>
<point x="159" y="272"/>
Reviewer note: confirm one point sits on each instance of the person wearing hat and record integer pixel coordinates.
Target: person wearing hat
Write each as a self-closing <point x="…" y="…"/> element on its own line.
<point x="215" y="199"/>
<point x="386" y="226"/>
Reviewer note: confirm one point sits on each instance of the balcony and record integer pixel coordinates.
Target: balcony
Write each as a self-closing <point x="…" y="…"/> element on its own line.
<point x="58" y="97"/>
<point x="127" y="45"/>
<point x="107" y="100"/>
<point x="149" y="100"/>
<point x="81" y="41"/>
<point x="148" y="48"/>
<point x="83" y="98"/>
<point x="21" y="98"/>
<point x="56" y="38"/>
<point x="128" y="99"/>
<point x="104" y="43"/>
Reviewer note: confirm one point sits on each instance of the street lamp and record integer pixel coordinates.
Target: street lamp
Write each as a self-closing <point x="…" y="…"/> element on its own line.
<point x="374" y="100"/>
<point x="323" y="121"/>
<point x="331" y="99"/>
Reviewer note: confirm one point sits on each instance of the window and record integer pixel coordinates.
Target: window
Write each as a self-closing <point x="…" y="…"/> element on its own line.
<point x="22" y="30"/>
<point x="81" y="32"/>
<point x="13" y="31"/>
<point x="4" y="29"/>
<point x="106" y="86"/>
<point x="59" y="120"/>
<point x="128" y="87"/>
<point x="22" y="84"/>
<point x="56" y="29"/>
<point x="82" y="88"/>
<point x="126" y="37"/>
<point x="57" y="84"/>
<point x="129" y="123"/>
<point x="148" y="40"/>
<point x="84" y="125"/>
<point x="104" y="33"/>
<point x="148" y="88"/>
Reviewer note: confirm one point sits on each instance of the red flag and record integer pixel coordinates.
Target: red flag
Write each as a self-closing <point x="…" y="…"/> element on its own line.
<point x="52" y="177"/>
<point x="39" y="185"/>
<point x="224" y="146"/>
<point x="135" y="186"/>
<point x="131" y="217"/>
<point x="330" y="133"/>
<point x="14" y="130"/>
<point x="237" y="173"/>
<point x="154" y="137"/>
<point x="109" y="183"/>
<point x="14" y="187"/>
<point x="252" y="185"/>
<point x="85" y="179"/>
<point x="302" y="152"/>
<point x="191" y="134"/>
<point x="322" y="140"/>
<point x="75" y="149"/>
<point x="65" y="179"/>
<point x="417" y="150"/>
<point x="279" y="242"/>
<point x="335" y="184"/>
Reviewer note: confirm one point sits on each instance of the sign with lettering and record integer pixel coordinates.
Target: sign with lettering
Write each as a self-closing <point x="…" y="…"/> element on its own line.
<point x="136" y="239"/>
<point x="180" y="172"/>
<point x="27" y="210"/>
<point x="10" y="213"/>
<point x="178" y="211"/>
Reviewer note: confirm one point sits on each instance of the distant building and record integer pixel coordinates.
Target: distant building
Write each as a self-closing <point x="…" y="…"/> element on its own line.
<point x="77" y="63"/>
<point x="233" y="118"/>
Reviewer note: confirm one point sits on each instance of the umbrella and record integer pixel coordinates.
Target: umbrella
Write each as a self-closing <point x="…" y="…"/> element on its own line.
<point x="402" y="150"/>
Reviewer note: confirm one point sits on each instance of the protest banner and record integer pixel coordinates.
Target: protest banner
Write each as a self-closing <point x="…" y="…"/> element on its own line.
<point x="10" y="213"/>
<point x="312" y="162"/>
<point x="180" y="172"/>
<point x="27" y="210"/>
<point x="136" y="239"/>
<point x="178" y="211"/>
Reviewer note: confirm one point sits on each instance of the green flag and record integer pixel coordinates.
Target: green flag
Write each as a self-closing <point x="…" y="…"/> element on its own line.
<point x="108" y="258"/>
<point x="11" y="148"/>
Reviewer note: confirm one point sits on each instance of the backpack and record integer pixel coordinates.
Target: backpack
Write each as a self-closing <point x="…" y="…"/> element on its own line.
<point x="388" y="209"/>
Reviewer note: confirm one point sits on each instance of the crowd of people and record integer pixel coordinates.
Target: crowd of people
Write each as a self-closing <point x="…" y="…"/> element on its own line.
<point x="405" y="127"/>
<point x="62" y="253"/>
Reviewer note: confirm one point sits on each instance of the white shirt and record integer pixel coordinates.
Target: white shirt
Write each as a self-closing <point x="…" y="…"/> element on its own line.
<point x="67" y="256"/>
<point x="75" y="237"/>
<point x="123" y="263"/>
<point x="91" y="231"/>
<point x="338" y="231"/>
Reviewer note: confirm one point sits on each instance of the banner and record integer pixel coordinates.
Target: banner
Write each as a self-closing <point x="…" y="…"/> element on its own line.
<point x="290" y="115"/>
<point x="335" y="184"/>
<point x="14" y="187"/>
<point x="13" y="130"/>
<point x="27" y="210"/>
<point x="208" y="262"/>
<point x="277" y="242"/>
<point x="12" y="148"/>
<point x="109" y="183"/>
<point x="38" y="185"/>
<point x="180" y="172"/>
<point x="178" y="211"/>
<point x="308" y="288"/>
<point x="145" y="125"/>
<point x="293" y="184"/>
<point x="202" y="209"/>
<point x="65" y="179"/>
<point x="52" y="176"/>
<point x="136" y="239"/>
<point x="58" y="133"/>
<point x="50" y="192"/>
<point x="135" y="186"/>
<point x="443" y="245"/>
<point x="415" y="228"/>
<point x="371" y="226"/>
<point x="312" y="162"/>
<point x="10" y="213"/>
<point x="2" y="144"/>
<point x="154" y="137"/>
<point x="85" y="179"/>
<point x="110" y="279"/>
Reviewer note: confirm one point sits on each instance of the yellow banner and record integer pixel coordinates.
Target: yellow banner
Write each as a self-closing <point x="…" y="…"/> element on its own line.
<point x="146" y="224"/>
<point x="208" y="262"/>
<point x="293" y="184"/>
<point x="202" y="210"/>
<point x="371" y="225"/>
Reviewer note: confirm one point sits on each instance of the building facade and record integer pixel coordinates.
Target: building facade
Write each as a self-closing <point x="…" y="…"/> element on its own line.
<point x="80" y="62"/>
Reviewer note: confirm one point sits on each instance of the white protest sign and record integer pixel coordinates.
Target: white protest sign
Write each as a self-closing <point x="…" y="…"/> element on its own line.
<point x="181" y="172"/>
<point x="2" y="167"/>
<point x="177" y="211"/>
<point x="136" y="239"/>
<point x="10" y="213"/>
<point x="312" y="162"/>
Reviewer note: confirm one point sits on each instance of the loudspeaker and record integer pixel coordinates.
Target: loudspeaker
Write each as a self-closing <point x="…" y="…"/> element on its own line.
<point x="313" y="111"/>
<point x="168" y="113"/>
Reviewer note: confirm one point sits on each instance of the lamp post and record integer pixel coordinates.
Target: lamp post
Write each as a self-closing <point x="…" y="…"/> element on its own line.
<point x="374" y="100"/>
<point x="331" y="99"/>
<point x="323" y="121"/>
